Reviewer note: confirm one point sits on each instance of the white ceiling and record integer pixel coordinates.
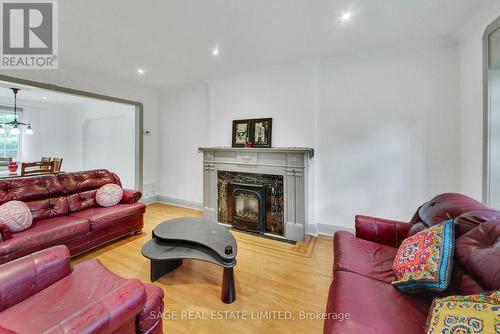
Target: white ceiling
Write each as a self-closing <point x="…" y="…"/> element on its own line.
<point x="172" y="39"/>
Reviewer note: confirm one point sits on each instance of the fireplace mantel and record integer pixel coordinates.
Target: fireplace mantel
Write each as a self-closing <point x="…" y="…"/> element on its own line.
<point x="291" y="162"/>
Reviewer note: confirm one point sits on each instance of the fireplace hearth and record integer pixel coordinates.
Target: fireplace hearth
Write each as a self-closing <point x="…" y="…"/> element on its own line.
<point x="247" y="207"/>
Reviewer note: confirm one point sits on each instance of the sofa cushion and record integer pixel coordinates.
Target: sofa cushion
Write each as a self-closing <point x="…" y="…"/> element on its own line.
<point x="152" y="309"/>
<point x="374" y="307"/>
<point x="465" y="314"/>
<point x="425" y="260"/>
<point x="43" y="234"/>
<point x="88" y="283"/>
<point x="76" y="182"/>
<point x="48" y="208"/>
<point x="363" y="257"/>
<point x="467" y="212"/>
<point x="29" y="188"/>
<point x="104" y="217"/>
<point x="478" y="252"/>
<point x="81" y="201"/>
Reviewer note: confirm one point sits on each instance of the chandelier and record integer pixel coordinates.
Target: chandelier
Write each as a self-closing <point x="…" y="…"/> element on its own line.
<point x="15" y="125"/>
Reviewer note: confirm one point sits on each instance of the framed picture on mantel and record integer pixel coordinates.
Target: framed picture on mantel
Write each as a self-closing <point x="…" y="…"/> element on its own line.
<point x="252" y="132"/>
<point x="262" y="131"/>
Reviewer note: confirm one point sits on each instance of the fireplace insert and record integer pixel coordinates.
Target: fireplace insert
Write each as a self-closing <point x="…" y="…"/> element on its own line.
<point x="247" y="207"/>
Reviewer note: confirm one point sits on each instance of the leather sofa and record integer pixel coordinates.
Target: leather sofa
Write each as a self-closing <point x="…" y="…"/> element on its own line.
<point x="362" y="270"/>
<point x="41" y="293"/>
<point x="65" y="212"/>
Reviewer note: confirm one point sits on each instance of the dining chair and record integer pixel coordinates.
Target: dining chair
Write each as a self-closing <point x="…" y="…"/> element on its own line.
<point x="44" y="159"/>
<point x="57" y="164"/>
<point x="36" y="168"/>
<point x="5" y="162"/>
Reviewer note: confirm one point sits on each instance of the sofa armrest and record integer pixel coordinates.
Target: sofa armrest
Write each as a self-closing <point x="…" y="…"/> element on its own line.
<point x="26" y="276"/>
<point x="108" y="314"/>
<point x="130" y="196"/>
<point x="5" y="232"/>
<point x="383" y="231"/>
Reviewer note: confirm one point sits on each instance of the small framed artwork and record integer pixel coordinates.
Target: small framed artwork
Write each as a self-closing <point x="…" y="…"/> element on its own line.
<point x="241" y="132"/>
<point x="262" y="130"/>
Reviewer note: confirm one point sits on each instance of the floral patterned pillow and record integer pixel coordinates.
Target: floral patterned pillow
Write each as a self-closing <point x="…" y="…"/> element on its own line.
<point x="424" y="260"/>
<point x="465" y="314"/>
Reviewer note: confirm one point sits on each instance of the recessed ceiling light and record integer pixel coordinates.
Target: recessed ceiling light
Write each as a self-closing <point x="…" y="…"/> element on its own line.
<point x="215" y="51"/>
<point x="140" y="71"/>
<point x="44" y="97"/>
<point x="346" y="16"/>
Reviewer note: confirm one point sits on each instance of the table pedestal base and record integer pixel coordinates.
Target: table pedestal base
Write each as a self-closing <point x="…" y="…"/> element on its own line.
<point x="228" y="293"/>
<point x="161" y="268"/>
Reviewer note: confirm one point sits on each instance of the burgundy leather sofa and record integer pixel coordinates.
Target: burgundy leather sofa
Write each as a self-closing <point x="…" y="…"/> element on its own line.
<point x="41" y="293"/>
<point x="65" y="212"/>
<point x="362" y="270"/>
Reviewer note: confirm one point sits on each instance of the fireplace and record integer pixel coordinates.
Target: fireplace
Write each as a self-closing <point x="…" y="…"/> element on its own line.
<point x="251" y="202"/>
<point x="282" y="171"/>
<point x="247" y="207"/>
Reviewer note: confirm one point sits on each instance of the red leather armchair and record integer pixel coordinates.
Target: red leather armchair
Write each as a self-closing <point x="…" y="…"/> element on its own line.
<point x="65" y="212"/>
<point x="362" y="272"/>
<point x="41" y="293"/>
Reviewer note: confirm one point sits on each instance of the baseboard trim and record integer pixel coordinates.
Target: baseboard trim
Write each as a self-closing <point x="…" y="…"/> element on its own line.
<point x="174" y="201"/>
<point x="149" y="200"/>
<point x="326" y="229"/>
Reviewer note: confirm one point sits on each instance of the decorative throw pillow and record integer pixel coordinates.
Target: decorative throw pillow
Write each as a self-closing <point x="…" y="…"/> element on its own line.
<point x="109" y="195"/>
<point x="465" y="314"/>
<point x="424" y="260"/>
<point x="16" y="215"/>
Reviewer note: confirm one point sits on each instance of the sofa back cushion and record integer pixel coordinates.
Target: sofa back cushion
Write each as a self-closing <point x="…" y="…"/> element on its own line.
<point x="81" y="201"/>
<point x="478" y="252"/>
<point x="48" y="207"/>
<point x="29" y="188"/>
<point x="467" y="212"/>
<point x="82" y="181"/>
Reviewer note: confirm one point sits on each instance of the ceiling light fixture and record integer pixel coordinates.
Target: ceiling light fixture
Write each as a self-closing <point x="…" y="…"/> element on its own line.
<point x="15" y="124"/>
<point x="140" y="71"/>
<point x="346" y="16"/>
<point x="215" y="51"/>
<point x="44" y="97"/>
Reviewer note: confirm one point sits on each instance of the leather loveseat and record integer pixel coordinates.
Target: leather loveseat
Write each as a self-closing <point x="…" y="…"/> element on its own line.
<point x="41" y="293"/>
<point x="65" y="212"/>
<point x="362" y="272"/>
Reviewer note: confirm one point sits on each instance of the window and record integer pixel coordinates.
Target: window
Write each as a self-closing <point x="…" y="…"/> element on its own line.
<point x="9" y="144"/>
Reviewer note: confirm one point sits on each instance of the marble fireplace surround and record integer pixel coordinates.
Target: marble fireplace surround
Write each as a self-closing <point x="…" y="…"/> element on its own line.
<point x="290" y="162"/>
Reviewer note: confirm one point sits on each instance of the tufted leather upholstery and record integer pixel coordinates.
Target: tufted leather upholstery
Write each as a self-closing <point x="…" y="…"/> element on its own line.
<point x="363" y="266"/>
<point x="478" y="252"/>
<point x="61" y="205"/>
<point x="85" y="299"/>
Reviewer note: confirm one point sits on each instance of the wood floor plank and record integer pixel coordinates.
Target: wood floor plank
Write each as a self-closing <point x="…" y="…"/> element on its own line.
<point x="270" y="276"/>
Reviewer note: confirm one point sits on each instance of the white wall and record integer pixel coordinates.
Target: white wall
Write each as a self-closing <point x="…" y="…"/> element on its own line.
<point x="387" y="132"/>
<point x="96" y="83"/>
<point x="184" y="124"/>
<point x="104" y="134"/>
<point x="471" y="99"/>
<point x="383" y="124"/>
<point x="286" y="93"/>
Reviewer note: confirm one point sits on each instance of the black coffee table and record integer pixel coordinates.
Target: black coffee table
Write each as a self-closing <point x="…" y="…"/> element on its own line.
<point x="193" y="238"/>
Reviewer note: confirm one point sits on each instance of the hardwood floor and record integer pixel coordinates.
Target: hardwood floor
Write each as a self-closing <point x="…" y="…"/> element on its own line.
<point x="270" y="276"/>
